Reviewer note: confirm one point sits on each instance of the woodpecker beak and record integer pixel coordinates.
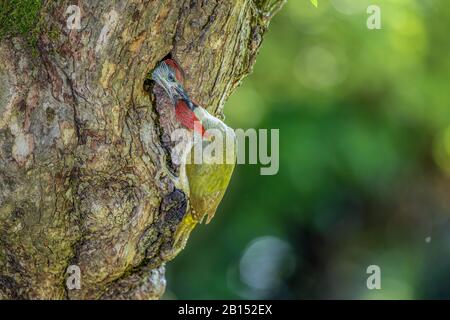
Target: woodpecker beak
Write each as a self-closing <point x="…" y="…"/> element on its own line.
<point x="174" y="90"/>
<point x="182" y="94"/>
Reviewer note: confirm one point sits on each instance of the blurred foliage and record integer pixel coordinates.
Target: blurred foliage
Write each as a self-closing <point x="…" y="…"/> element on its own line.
<point x="364" y="119"/>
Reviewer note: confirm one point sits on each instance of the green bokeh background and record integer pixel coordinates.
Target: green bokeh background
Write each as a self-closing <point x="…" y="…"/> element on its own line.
<point x="364" y="120"/>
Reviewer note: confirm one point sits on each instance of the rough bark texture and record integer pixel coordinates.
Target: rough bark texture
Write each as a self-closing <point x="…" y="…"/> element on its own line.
<point x="81" y="140"/>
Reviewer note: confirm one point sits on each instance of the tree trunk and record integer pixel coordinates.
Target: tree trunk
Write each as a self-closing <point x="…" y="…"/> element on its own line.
<point x="82" y="142"/>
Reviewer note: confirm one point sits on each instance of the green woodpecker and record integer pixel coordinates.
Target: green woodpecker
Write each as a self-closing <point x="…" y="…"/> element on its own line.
<point x="210" y="162"/>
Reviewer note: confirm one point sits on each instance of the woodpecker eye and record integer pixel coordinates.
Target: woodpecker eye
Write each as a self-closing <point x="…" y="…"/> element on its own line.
<point x="171" y="77"/>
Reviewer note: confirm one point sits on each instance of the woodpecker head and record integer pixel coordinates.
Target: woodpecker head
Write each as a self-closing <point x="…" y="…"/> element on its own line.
<point x="179" y="73"/>
<point x="170" y="77"/>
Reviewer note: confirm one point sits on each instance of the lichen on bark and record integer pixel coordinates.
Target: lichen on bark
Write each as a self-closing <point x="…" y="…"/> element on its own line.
<point x="81" y="142"/>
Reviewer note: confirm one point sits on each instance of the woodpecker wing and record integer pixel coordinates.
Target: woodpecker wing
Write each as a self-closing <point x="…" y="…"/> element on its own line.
<point x="208" y="180"/>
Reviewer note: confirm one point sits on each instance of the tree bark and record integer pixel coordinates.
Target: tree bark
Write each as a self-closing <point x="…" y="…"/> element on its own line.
<point x="81" y="141"/>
